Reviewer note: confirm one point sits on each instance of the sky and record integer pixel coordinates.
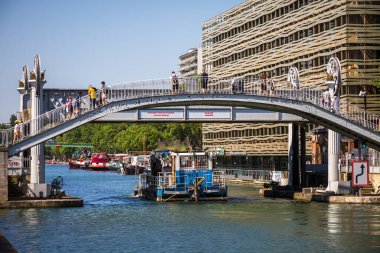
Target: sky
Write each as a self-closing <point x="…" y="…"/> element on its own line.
<point x="82" y="42"/>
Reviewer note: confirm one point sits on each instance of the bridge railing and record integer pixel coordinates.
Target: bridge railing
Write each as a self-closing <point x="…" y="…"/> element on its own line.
<point x="45" y="121"/>
<point x="197" y="85"/>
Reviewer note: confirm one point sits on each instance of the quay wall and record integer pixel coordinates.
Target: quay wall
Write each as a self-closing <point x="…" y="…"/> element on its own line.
<point x="43" y="203"/>
<point x="331" y="199"/>
<point x="3" y="176"/>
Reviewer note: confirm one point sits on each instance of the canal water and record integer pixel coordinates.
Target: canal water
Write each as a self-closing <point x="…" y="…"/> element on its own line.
<point x="112" y="220"/>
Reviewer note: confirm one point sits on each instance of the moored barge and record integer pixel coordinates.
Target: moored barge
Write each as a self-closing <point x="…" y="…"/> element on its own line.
<point x="191" y="178"/>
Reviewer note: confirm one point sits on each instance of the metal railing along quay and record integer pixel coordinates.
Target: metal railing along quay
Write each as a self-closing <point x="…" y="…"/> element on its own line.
<point x="247" y="175"/>
<point x="188" y="86"/>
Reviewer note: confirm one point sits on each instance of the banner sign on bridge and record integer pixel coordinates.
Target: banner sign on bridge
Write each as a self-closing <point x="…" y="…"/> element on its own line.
<point x="161" y="114"/>
<point x="360" y="173"/>
<point x="199" y="114"/>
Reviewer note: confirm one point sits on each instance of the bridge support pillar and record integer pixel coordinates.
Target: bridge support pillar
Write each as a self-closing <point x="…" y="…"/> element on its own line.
<point x="303" y="155"/>
<point x="3" y="176"/>
<point x="293" y="155"/>
<point x="37" y="165"/>
<point x="334" y="139"/>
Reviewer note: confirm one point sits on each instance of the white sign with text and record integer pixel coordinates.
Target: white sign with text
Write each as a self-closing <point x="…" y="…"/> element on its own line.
<point x="161" y="114"/>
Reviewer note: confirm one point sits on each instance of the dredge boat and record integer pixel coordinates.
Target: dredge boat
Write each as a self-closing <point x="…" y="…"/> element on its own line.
<point x="191" y="178"/>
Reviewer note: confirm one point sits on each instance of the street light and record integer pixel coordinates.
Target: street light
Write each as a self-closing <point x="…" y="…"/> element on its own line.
<point x="364" y="94"/>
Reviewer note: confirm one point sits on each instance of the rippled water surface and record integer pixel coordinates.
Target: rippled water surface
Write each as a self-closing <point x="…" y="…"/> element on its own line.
<point x="112" y="220"/>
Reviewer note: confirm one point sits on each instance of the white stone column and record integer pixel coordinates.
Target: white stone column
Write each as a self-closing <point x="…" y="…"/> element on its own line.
<point x="33" y="129"/>
<point x="334" y="139"/>
<point x="41" y="150"/>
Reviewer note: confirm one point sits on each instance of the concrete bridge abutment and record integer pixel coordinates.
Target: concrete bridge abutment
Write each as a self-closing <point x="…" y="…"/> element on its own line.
<point x="3" y="176"/>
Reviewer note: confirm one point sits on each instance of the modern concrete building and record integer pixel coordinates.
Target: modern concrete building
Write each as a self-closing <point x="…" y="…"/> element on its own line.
<point x="189" y="63"/>
<point x="270" y="36"/>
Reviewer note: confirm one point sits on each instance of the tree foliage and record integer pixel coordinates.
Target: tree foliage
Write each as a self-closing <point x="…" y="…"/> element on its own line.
<point x="12" y="120"/>
<point x="124" y="137"/>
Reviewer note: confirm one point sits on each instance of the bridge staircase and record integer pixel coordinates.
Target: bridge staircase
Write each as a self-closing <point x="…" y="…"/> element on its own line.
<point x="305" y="102"/>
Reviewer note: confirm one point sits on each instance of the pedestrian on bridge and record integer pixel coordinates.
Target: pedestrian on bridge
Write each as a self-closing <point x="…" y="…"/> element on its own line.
<point x="263" y="84"/>
<point x="271" y="87"/>
<point x="174" y="80"/>
<point x="92" y="95"/>
<point x="204" y="81"/>
<point x="77" y="106"/>
<point x="104" y="93"/>
<point x="69" y="108"/>
<point x="17" y="131"/>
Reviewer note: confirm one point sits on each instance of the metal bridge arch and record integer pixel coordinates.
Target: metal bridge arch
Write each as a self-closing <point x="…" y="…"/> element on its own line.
<point x="300" y="105"/>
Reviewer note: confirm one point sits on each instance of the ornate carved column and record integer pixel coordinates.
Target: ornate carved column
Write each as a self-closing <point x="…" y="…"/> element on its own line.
<point x="334" y="82"/>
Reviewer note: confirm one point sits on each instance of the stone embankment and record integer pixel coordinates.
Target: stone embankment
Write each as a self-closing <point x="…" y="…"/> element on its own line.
<point x="321" y="197"/>
<point x="22" y="202"/>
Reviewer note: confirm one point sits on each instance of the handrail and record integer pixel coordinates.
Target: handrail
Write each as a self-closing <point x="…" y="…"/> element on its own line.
<point x="160" y="87"/>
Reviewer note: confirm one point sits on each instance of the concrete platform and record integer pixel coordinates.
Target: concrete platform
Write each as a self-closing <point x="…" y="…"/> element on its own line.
<point x="42" y="202"/>
<point x="336" y="199"/>
<point x="332" y="199"/>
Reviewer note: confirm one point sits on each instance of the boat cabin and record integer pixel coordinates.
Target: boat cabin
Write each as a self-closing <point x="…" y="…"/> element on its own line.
<point x="191" y="178"/>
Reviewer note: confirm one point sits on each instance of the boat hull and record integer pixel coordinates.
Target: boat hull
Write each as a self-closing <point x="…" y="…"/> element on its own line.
<point x="98" y="167"/>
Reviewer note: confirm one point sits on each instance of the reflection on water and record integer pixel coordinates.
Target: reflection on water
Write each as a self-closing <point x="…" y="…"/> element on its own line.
<point x="112" y="220"/>
<point x="333" y="219"/>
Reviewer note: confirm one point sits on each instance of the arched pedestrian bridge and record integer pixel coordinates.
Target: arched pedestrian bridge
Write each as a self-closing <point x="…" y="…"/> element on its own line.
<point x="133" y="97"/>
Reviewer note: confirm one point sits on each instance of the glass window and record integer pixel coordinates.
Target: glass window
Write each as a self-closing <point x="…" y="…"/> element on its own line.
<point x="332" y="24"/>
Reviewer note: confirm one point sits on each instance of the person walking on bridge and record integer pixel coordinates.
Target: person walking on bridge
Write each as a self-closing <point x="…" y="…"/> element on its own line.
<point x="69" y="108"/>
<point x="77" y="106"/>
<point x="204" y="81"/>
<point x="271" y="87"/>
<point x="104" y="93"/>
<point x="17" y="131"/>
<point x="174" y="81"/>
<point x="92" y="95"/>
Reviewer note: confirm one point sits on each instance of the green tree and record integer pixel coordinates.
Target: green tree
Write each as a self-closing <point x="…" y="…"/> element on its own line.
<point x="122" y="137"/>
<point x="12" y="120"/>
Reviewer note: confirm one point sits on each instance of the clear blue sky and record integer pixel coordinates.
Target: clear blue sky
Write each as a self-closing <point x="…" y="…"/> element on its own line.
<point x="82" y="42"/>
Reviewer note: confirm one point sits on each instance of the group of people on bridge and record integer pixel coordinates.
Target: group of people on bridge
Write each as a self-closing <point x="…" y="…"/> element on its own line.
<point x="236" y="84"/>
<point x="73" y="107"/>
<point x="203" y="82"/>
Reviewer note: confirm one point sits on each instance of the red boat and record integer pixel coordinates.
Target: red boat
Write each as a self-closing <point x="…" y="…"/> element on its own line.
<point x="99" y="162"/>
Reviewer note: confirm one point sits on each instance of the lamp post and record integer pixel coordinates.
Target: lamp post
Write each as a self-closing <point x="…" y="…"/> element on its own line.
<point x="364" y="94"/>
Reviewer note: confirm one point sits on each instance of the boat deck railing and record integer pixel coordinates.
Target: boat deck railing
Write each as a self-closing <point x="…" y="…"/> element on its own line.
<point x="173" y="184"/>
<point x="217" y="181"/>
